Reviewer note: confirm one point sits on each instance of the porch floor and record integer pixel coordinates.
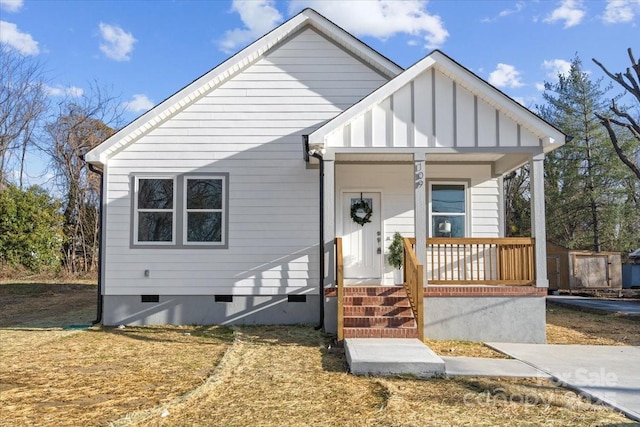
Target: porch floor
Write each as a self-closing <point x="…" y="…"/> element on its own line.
<point x="392" y="356"/>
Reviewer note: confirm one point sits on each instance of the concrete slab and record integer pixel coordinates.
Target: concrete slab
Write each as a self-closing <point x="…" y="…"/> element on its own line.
<point x="484" y="367"/>
<point x="626" y="307"/>
<point x="610" y="374"/>
<point x="392" y="356"/>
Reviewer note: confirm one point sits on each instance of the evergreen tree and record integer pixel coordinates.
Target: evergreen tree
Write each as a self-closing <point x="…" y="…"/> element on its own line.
<point x="585" y="180"/>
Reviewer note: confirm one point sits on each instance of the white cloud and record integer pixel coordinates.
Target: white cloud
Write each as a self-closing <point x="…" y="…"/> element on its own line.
<point x="139" y="103"/>
<point x="505" y="75"/>
<point x="540" y="86"/>
<point x="258" y="16"/>
<point x="381" y="19"/>
<point x="569" y="11"/>
<point x="11" y="5"/>
<point x="22" y="42"/>
<point x="117" y="44"/>
<point x="506" y="12"/>
<point x="59" y="90"/>
<point x="620" y="11"/>
<point x="556" y="67"/>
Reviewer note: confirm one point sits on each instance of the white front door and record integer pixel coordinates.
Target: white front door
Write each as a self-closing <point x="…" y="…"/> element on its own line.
<point x="362" y="244"/>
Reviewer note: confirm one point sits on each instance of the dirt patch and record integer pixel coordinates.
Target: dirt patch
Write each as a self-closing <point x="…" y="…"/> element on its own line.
<point x="92" y="377"/>
<point x="286" y="376"/>
<point x="573" y="326"/>
<point x="44" y="305"/>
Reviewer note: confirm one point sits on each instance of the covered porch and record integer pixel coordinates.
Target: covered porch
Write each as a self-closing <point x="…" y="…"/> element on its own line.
<point x="425" y="156"/>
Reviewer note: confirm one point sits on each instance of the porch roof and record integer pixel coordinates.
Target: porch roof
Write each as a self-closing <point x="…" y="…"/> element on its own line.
<point x="440" y="107"/>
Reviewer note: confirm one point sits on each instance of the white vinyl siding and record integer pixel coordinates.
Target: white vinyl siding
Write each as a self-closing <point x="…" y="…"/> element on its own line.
<point x="251" y="127"/>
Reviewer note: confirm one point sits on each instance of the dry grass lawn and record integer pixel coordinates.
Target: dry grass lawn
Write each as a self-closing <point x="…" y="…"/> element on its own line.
<point x="262" y="376"/>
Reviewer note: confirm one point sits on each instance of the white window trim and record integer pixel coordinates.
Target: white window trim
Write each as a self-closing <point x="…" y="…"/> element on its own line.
<point x="179" y="211"/>
<point x="185" y="210"/>
<point x="136" y="210"/>
<point x="467" y="205"/>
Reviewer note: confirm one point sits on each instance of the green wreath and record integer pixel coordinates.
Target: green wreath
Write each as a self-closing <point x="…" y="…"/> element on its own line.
<point x="367" y="210"/>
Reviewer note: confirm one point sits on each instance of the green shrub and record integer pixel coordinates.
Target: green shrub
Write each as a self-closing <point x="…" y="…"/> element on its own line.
<point x="396" y="251"/>
<point x="30" y="229"/>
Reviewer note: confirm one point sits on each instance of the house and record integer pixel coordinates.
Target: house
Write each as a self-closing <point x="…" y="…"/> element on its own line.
<point x="215" y="201"/>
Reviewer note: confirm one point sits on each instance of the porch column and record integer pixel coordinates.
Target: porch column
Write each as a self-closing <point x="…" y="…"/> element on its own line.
<point x="538" y="228"/>
<point x="329" y="219"/>
<point x="420" y="208"/>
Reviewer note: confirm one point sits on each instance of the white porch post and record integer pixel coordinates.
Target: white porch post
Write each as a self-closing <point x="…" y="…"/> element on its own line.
<point x="329" y="219"/>
<point x="420" y="208"/>
<point x="538" y="228"/>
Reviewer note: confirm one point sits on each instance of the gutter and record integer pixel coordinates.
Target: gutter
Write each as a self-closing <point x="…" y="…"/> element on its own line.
<point x="98" y="319"/>
<point x="318" y="155"/>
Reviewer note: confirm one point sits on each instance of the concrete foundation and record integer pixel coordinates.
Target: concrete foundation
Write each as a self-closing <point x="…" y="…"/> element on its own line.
<point x="500" y="319"/>
<point x="204" y="310"/>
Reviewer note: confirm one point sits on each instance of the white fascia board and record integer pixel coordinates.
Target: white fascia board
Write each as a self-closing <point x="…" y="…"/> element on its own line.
<point x="231" y="67"/>
<point x="374" y="98"/>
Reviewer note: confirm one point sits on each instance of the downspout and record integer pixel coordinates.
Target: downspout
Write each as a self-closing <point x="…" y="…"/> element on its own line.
<point x="318" y="155"/>
<point x="98" y="319"/>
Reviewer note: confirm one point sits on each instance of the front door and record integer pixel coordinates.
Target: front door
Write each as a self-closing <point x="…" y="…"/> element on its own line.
<point x="362" y="244"/>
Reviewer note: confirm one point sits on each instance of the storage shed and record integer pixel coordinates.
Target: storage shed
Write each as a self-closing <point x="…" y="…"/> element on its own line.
<point x="631" y="271"/>
<point x="575" y="270"/>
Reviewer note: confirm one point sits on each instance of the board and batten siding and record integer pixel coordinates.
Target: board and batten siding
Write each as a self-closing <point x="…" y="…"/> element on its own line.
<point x="250" y="127"/>
<point x="433" y="111"/>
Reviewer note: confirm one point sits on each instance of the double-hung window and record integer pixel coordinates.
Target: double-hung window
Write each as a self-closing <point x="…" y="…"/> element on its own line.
<point x="204" y="200"/>
<point x="154" y="218"/>
<point x="180" y="211"/>
<point x="448" y="213"/>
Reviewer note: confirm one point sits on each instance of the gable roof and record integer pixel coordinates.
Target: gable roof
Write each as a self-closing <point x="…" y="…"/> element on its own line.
<point x="233" y="66"/>
<point x="550" y="136"/>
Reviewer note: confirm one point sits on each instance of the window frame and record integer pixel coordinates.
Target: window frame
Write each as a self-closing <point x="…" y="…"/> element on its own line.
<point x="179" y="211"/>
<point x="466" y="184"/>
<point x="222" y="210"/>
<point x="136" y="211"/>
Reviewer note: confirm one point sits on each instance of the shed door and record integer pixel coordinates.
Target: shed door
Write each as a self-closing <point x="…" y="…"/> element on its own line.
<point x="362" y="243"/>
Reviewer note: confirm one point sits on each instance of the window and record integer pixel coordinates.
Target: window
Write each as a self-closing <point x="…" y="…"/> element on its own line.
<point x="448" y="210"/>
<point x="154" y="217"/>
<point x="183" y="211"/>
<point x="204" y="201"/>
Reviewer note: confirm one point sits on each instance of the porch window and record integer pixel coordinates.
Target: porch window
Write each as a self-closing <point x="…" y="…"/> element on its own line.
<point x="448" y="210"/>
<point x="155" y="214"/>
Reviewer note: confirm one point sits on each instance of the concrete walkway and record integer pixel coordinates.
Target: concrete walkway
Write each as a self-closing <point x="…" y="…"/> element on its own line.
<point x="626" y="307"/>
<point x="485" y="367"/>
<point x="610" y="374"/>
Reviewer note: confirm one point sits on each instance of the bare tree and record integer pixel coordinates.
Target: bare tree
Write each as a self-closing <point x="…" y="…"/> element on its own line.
<point x="622" y="120"/>
<point x="23" y="102"/>
<point x="81" y="124"/>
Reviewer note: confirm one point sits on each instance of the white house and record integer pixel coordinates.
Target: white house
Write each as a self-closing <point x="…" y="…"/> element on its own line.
<point x="215" y="201"/>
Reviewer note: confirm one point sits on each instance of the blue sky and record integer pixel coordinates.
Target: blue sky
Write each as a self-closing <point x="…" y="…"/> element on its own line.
<point x="144" y="51"/>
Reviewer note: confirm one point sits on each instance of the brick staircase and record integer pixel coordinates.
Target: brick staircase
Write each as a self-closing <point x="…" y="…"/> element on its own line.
<point x="378" y="312"/>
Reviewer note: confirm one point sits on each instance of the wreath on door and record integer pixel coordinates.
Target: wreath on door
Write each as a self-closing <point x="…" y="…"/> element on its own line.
<point x="361" y="212"/>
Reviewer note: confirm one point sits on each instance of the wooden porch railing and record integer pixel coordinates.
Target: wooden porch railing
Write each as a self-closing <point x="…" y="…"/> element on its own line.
<point x="480" y="261"/>
<point x="413" y="283"/>
<point x="340" y="286"/>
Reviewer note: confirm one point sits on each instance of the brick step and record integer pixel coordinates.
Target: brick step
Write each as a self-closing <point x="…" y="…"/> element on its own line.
<point x="379" y="322"/>
<point x="396" y="291"/>
<point x="386" y="311"/>
<point x="380" y="332"/>
<point x="377" y="301"/>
